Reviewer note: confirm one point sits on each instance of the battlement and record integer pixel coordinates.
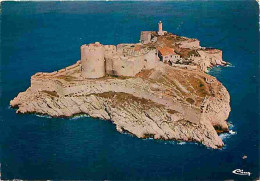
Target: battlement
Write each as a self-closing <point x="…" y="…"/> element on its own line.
<point x="92" y="47"/>
<point x="110" y="49"/>
<point x="96" y="44"/>
<point x="63" y="71"/>
<point x="212" y="50"/>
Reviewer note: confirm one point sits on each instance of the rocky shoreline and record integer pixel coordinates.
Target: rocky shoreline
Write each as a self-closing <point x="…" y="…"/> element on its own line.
<point x="163" y="103"/>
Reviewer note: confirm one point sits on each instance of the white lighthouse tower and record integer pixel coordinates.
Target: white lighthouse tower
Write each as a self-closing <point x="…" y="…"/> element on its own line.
<point x="160" y="31"/>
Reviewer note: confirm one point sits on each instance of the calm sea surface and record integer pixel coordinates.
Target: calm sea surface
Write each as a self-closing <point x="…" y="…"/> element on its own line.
<point x="46" y="36"/>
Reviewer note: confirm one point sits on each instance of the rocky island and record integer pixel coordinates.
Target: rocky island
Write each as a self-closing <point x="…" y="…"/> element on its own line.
<point x="157" y="88"/>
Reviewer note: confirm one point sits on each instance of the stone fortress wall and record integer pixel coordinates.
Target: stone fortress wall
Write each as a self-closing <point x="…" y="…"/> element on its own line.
<point x="44" y="81"/>
<point x="190" y="43"/>
<point x="47" y="85"/>
<point x="122" y="66"/>
<point x="208" y="58"/>
<point x="63" y="71"/>
<point x="129" y="62"/>
<point x="214" y="55"/>
<point x="110" y="50"/>
<point x="122" y="60"/>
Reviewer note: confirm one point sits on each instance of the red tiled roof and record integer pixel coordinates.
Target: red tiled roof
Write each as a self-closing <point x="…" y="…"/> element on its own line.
<point x="166" y="51"/>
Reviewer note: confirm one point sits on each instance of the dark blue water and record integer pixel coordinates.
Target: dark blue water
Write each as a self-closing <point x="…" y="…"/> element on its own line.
<point x="46" y="36"/>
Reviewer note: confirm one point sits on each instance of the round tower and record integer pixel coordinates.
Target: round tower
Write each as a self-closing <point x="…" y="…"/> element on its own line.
<point x="93" y="60"/>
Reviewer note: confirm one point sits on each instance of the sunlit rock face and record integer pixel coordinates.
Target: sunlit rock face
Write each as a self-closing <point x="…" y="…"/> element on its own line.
<point x="164" y="102"/>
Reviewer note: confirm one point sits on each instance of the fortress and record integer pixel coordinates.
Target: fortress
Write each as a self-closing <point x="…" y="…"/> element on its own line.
<point x="98" y="60"/>
<point x="156" y="88"/>
<point x="122" y="60"/>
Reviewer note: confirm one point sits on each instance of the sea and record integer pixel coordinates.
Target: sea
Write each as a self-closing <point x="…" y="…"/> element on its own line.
<point x="46" y="36"/>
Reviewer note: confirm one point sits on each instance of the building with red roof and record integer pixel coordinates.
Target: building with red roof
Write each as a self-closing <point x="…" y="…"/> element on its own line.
<point x="167" y="54"/>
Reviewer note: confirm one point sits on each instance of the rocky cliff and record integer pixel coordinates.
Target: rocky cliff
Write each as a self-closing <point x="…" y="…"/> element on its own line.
<point x="163" y="103"/>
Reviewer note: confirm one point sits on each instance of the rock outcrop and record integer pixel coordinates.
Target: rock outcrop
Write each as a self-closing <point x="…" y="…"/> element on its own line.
<point x="163" y="103"/>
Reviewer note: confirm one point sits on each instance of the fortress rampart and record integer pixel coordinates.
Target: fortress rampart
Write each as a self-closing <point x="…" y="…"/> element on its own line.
<point x="211" y="57"/>
<point x="125" y="66"/>
<point x="63" y="71"/>
<point x="214" y="55"/>
<point x="190" y="43"/>
<point x="47" y="85"/>
<point x="122" y="65"/>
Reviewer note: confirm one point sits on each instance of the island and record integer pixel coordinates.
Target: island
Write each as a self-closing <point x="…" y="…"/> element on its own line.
<point x="158" y="88"/>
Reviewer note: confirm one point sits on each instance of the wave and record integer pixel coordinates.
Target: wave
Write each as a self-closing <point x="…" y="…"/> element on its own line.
<point x="181" y="143"/>
<point x="232" y="132"/>
<point x="230" y="65"/>
<point x="43" y="116"/>
<point x="174" y="142"/>
<point x="79" y="116"/>
<point x="227" y="135"/>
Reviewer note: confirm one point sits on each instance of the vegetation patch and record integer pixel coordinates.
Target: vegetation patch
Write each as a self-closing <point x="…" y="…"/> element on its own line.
<point x="199" y="87"/>
<point x="193" y="52"/>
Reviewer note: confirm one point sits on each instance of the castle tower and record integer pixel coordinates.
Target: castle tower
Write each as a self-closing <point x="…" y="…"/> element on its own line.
<point x="160" y="31"/>
<point x="93" y="60"/>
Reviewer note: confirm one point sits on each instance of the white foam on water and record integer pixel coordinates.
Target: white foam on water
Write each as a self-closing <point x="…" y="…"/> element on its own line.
<point x="149" y="139"/>
<point x="43" y="116"/>
<point x="232" y="66"/>
<point x="232" y="132"/>
<point x="170" y="142"/>
<point x="227" y="135"/>
<point x="182" y="143"/>
<point x="79" y="116"/>
<point x="224" y="136"/>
